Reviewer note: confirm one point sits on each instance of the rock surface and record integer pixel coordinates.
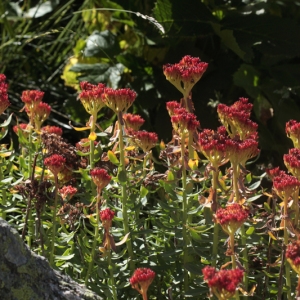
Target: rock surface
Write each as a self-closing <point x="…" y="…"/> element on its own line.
<point x="27" y="276"/>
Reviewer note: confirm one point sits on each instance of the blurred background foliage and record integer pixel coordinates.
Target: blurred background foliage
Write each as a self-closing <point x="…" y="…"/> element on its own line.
<point x="252" y="47"/>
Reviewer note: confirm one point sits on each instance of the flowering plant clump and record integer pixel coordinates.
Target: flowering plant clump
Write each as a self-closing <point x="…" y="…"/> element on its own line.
<point x="292" y="129"/>
<point x="185" y="74"/>
<point x="292" y="255"/>
<point x="141" y="280"/>
<point x="55" y="163"/>
<point x="231" y="217"/>
<point x="118" y="100"/>
<point x="222" y="283"/>
<point x="100" y="177"/>
<point x="164" y="204"/>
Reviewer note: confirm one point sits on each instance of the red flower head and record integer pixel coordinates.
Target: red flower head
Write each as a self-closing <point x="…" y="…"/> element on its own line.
<point x="171" y="106"/>
<point x="32" y="98"/>
<point x="223" y="283"/>
<point x="118" y="100"/>
<point x="133" y="122"/>
<point x="293" y="255"/>
<point x="91" y="97"/>
<point x="67" y="192"/>
<point x="141" y="280"/>
<point x="106" y="216"/>
<point x="292" y="129"/>
<point x="231" y="217"/>
<point x="40" y="114"/>
<point x="143" y="139"/>
<point x="4" y="103"/>
<point x="236" y="118"/>
<point x="292" y="162"/>
<point x="213" y="145"/>
<point x="274" y="172"/>
<point x="183" y="121"/>
<point x="55" y="163"/>
<point x="185" y="74"/>
<point x="239" y="151"/>
<point x="285" y="185"/>
<point x="21" y="126"/>
<point x="100" y="177"/>
<point x="52" y="129"/>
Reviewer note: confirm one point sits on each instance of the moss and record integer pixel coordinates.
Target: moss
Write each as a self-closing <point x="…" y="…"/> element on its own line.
<point x="24" y="293"/>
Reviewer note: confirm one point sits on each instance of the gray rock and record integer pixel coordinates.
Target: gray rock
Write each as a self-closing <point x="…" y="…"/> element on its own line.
<point x="27" y="276"/>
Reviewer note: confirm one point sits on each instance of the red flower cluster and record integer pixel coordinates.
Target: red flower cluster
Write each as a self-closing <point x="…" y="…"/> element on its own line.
<point x="141" y="279"/>
<point x="118" y="100"/>
<point x="4" y="103"/>
<point x="274" y="172"/>
<point x="52" y="129"/>
<point x="133" y="122"/>
<point x="21" y="126"/>
<point x="239" y="151"/>
<point x="100" y="177"/>
<point x="285" y="185"/>
<point x="107" y="214"/>
<point x="223" y="282"/>
<point x="32" y="98"/>
<point x="292" y="162"/>
<point x="91" y="97"/>
<point x="67" y="192"/>
<point x="292" y="129"/>
<point x="231" y="217"/>
<point x="183" y="121"/>
<point x="171" y="106"/>
<point x="55" y="163"/>
<point x="40" y="114"/>
<point x="293" y="255"/>
<point x="185" y="74"/>
<point x="143" y="139"/>
<point x="213" y="145"/>
<point x="236" y="118"/>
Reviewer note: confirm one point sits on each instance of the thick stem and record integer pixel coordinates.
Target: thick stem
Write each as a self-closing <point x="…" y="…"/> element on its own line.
<point x="184" y="213"/>
<point x="245" y="256"/>
<point x="96" y="235"/>
<point x="111" y="273"/>
<point x="235" y="178"/>
<point x="144" y="294"/>
<point x="190" y="145"/>
<point x="92" y="151"/>
<point x="29" y="153"/>
<point x="231" y="237"/>
<point x="286" y="241"/>
<point x="124" y="195"/>
<point x="216" y="225"/>
<point x="54" y="222"/>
